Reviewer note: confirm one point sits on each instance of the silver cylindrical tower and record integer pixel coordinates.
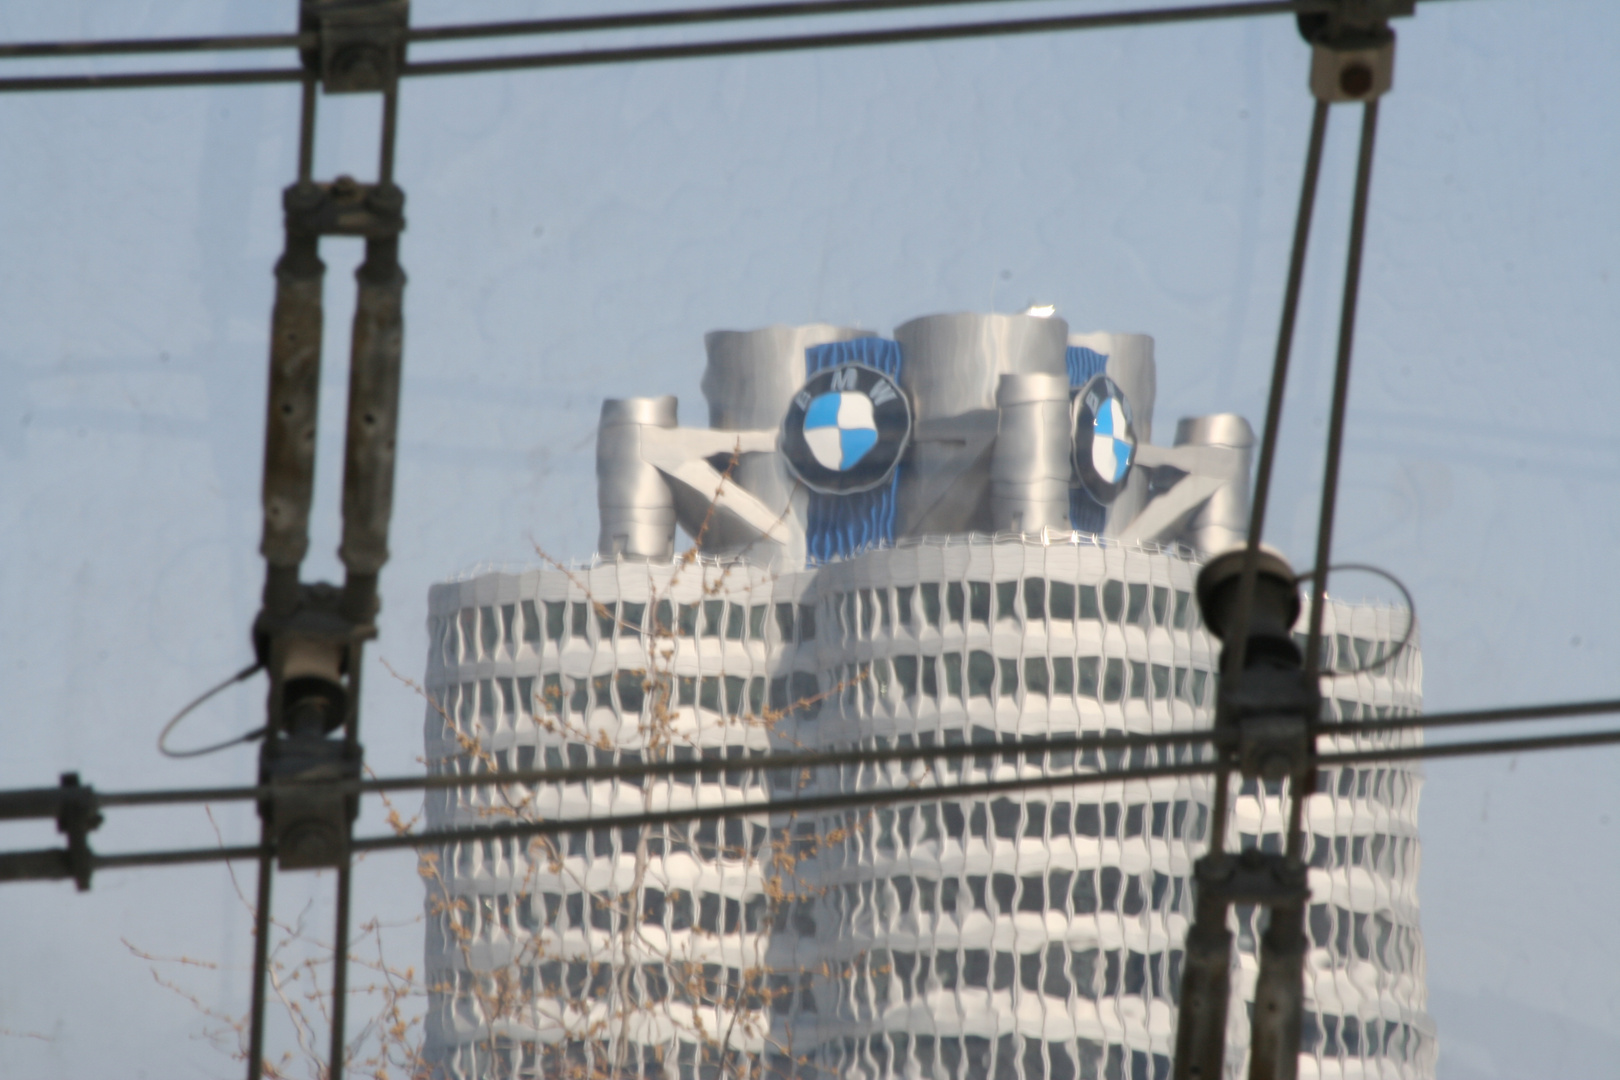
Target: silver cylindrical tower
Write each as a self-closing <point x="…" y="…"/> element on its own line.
<point x="635" y="504"/>
<point x="1029" y="467"/>
<point x="751" y="377"/>
<point x="1223" y="522"/>
<point x="952" y="368"/>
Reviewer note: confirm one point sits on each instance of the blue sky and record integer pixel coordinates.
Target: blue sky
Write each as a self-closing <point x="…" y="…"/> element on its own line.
<point x="573" y="234"/>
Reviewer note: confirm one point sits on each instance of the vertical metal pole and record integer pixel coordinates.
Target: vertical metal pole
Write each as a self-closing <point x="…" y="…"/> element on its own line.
<point x="1206" y="979"/>
<point x="261" y="964"/>
<point x="1279" y="989"/>
<point x="340" y="968"/>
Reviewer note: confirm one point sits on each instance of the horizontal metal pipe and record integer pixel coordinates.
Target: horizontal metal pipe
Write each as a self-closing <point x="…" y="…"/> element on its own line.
<point x="695" y="50"/>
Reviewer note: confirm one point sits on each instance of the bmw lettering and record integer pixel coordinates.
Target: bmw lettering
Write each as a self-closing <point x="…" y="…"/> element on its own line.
<point x="1104" y="438"/>
<point x="846" y="429"/>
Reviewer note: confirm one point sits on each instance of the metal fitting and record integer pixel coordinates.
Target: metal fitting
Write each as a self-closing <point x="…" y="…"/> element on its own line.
<point x="362" y="43"/>
<point x="345" y="207"/>
<point x="1254" y="877"/>
<point x="1353" y="49"/>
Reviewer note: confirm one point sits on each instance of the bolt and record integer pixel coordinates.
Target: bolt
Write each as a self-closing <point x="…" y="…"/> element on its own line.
<point x="1356" y="79"/>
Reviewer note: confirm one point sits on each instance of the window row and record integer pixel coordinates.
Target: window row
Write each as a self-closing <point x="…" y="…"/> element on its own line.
<point x="934" y="1057"/>
<point x="479" y="917"/>
<point x="986" y="676"/>
<point x="1008" y="819"/>
<point x="1333" y="1036"/>
<point x="491" y="633"/>
<point x="727" y="838"/>
<point x="883" y="977"/>
<point x="1084" y="892"/>
<point x="529" y="1060"/>
<point x="968" y="1057"/>
<point x="862" y="613"/>
<point x="727" y="768"/>
<point x="1392" y="856"/>
<point x="583" y="981"/>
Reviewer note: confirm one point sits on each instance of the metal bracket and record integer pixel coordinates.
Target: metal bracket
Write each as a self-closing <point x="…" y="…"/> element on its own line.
<point x="1353" y="49"/>
<point x="1270" y="708"/>
<point x="361" y="43"/>
<point x="1254" y="877"/>
<point x="305" y="821"/>
<point x="345" y="207"/>
<point x="77" y="815"/>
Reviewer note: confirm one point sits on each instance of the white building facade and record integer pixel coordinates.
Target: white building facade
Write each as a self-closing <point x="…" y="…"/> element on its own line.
<point x="1026" y="935"/>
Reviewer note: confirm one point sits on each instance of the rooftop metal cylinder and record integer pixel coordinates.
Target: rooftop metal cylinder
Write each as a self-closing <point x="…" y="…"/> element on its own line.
<point x="954" y="363"/>
<point x="1223" y="522"/>
<point x="635" y="503"/>
<point x="751" y="378"/>
<point x="1029" y="467"/>
<point x="752" y="375"/>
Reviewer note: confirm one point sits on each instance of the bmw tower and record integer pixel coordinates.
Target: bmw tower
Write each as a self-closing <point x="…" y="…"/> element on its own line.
<point x="962" y="533"/>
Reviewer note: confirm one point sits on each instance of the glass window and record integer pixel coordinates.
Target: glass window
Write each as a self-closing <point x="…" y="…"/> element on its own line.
<point x="1199" y="678"/>
<point x="1086" y="669"/>
<point x="930" y="677"/>
<point x="551" y="691"/>
<point x="979" y="601"/>
<point x="713" y="614"/>
<point x="1009" y="677"/>
<point x="1006" y="600"/>
<point x="1088" y="603"/>
<point x="663" y="618"/>
<point x="1035" y="598"/>
<point x="630" y="619"/>
<point x="1113" y="600"/>
<point x="930" y="602"/>
<point x="1062" y="675"/>
<point x="736" y="620"/>
<point x="807" y="622"/>
<point x="1035" y="681"/>
<point x="1085" y="892"/>
<point x="848" y="614"/>
<point x="1138" y="603"/>
<point x="488" y="633"/>
<point x="902" y="603"/>
<point x="953" y="674"/>
<point x="868" y="612"/>
<point x="630" y="692"/>
<point x="1113" y="680"/>
<point x="1087" y="820"/>
<point x="1060" y="818"/>
<point x="709" y="692"/>
<point x="905" y="673"/>
<point x="734" y="693"/>
<point x="981" y="673"/>
<point x="1161" y="604"/>
<point x="784" y="623"/>
<point x="1183" y="599"/>
<point x="885" y="618"/>
<point x="756" y="622"/>
<point x="1062" y="600"/>
<point x="607" y="616"/>
<point x="1161" y="682"/>
<point x="579" y="613"/>
<point x="955" y="602"/>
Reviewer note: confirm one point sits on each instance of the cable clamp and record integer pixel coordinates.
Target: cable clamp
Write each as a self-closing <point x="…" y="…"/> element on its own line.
<point x="1353" y="49"/>
<point x="361" y="43"/>
<point x="345" y="207"/>
<point x="1255" y="877"/>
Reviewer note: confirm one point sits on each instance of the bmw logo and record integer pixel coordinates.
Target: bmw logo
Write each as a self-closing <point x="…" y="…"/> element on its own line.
<point x="846" y="429"/>
<point x="1104" y="438"/>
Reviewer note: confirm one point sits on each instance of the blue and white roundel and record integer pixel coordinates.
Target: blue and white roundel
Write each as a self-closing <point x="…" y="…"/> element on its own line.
<point x="1111" y="444"/>
<point x="1104" y="438"/>
<point x="839" y="429"/>
<point x="846" y="429"/>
